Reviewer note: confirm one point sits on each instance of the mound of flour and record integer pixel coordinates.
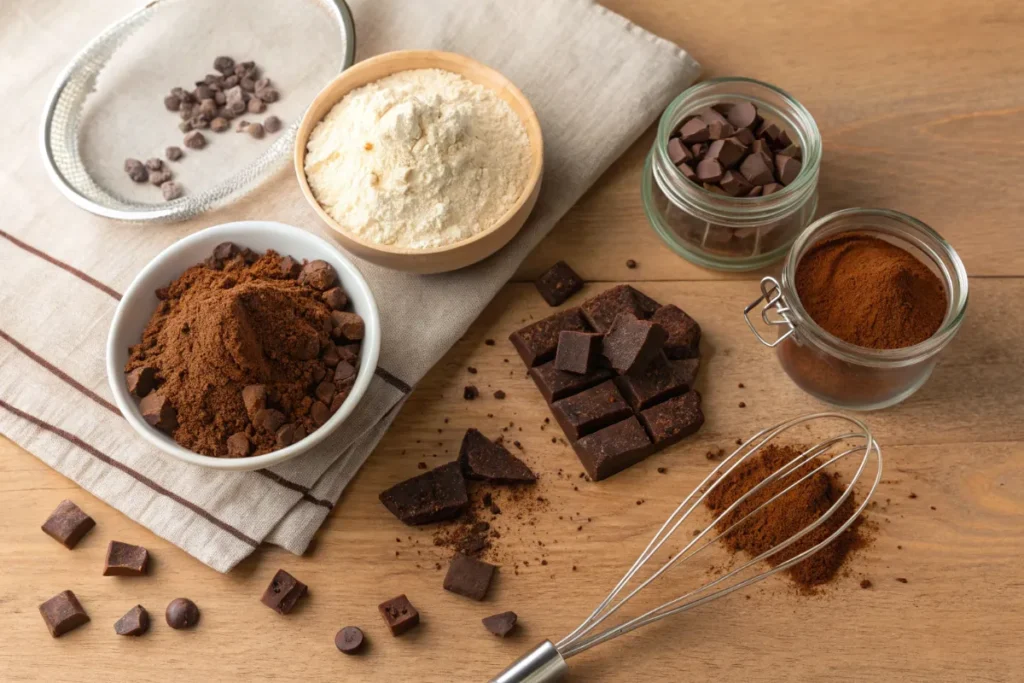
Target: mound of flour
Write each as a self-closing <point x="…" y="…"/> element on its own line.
<point x="418" y="159"/>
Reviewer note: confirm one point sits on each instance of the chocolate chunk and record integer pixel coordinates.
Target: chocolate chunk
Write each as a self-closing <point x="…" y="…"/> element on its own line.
<point x="686" y="370"/>
<point x="158" y="412"/>
<point x="673" y="420"/>
<point x="601" y="310"/>
<point x="694" y="130"/>
<point x="224" y="64"/>
<point x="677" y="151"/>
<point x="434" y="496"/>
<point x="399" y="614"/>
<point x="272" y="124"/>
<point x="657" y="383"/>
<point x="683" y="339"/>
<point x="269" y="419"/>
<point x="124" y="559"/>
<point x="174" y="153"/>
<point x="348" y="325"/>
<point x="344" y="370"/>
<point x="698" y="150"/>
<point x="743" y="115"/>
<point x="136" y="170"/>
<point x="613" y="448"/>
<point x="349" y="640"/>
<point x="793" y="152"/>
<point x="755" y="170"/>
<point x="195" y="140"/>
<point x="141" y="381"/>
<point x="67" y="524"/>
<point x="283" y="592"/>
<point x="238" y="445"/>
<point x="254" y="396"/>
<point x="764" y="150"/>
<point x="755" y="191"/>
<point x="182" y="613"/>
<point x="688" y="172"/>
<point x="709" y="171"/>
<point x="577" y="351"/>
<point x="631" y="344"/>
<point x="734" y="184"/>
<point x="481" y="458"/>
<point x="134" y="623"/>
<point x="558" y="283"/>
<point x="171" y="190"/>
<point x="62" y="613"/>
<point x="319" y="275"/>
<point x="469" y="577"/>
<point x="536" y="343"/>
<point x="744" y="136"/>
<point x="225" y="251"/>
<point x="331" y="357"/>
<point x="325" y="392"/>
<point x="770" y="188"/>
<point x="556" y="384"/>
<point x="336" y="298"/>
<point x="470" y="392"/>
<point x="500" y="624"/>
<point x="728" y="152"/>
<point x="719" y="130"/>
<point x="321" y="413"/>
<point x="770" y="131"/>
<point x="710" y="115"/>
<point x="590" y="410"/>
<point x="285" y="436"/>
<point x="787" y="168"/>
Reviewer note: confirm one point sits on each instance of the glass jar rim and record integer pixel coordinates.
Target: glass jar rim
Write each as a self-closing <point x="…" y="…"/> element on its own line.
<point x="878" y="357"/>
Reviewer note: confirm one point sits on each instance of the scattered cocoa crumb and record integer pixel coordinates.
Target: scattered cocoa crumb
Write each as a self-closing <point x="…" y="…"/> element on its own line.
<point x="715" y="455"/>
<point x="933" y="507"/>
<point x="489" y="342"/>
<point x="574" y="567"/>
<point x="499" y="394"/>
<point x="422" y="465"/>
<point x="631" y="264"/>
<point x="547" y="420"/>
<point x="471" y="370"/>
<point x="740" y="385"/>
<point x="901" y="579"/>
<point x="739" y="442"/>
<point x="544" y="562"/>
<point x="640" y="502"/>
<point x="662" y="470"/>
<point x="913" y="495"/>
<point x="470" y="392"/>
<point x="742" y="404"/>
<point x="517" y="445"/>
<point x="865" y="584"/>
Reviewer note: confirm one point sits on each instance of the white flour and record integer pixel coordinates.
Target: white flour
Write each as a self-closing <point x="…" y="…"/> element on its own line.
<point x="418" y="159"/>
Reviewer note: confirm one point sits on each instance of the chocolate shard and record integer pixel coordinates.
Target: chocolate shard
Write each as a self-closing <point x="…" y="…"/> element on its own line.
<point x="631" y="344"/>
<point x="283" y="592"/>
<point x="590" y="410"/>
<point x="683" y="339"/>
<point x="500" y="624"/>
<point x="68" y="524"/>
<point x="673" y="420"/>
<point x="435" y="496"/>
<point x="558" y="283"/>
<point x="62" y="613"/>
<point x="399" y="615"/>
<point x="613" y="449"/>
<point x="536" y="343"/>
<point x="601" y="310"/>
<point x="483" y="459"/>
<point x="469" y="577"/>
<point x="124" y="559"/>
<point x="134" y="623"/>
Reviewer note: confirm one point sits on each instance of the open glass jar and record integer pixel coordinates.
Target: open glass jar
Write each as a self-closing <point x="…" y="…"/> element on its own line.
<point x="719" y="231"/>
<point x="836" y="371"/>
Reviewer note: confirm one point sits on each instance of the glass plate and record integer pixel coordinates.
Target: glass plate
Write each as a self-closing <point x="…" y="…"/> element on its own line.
<point x="107" y="105"/>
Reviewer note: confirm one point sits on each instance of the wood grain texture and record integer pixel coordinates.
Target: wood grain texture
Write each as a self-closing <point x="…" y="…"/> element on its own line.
<point x="918" y="103"/>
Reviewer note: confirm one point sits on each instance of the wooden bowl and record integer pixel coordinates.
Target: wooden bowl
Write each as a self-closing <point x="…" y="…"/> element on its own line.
<point x="437" y="259"/>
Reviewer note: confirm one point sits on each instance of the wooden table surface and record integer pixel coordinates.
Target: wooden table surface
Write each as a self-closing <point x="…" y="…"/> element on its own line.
<point x="920" y="106"/>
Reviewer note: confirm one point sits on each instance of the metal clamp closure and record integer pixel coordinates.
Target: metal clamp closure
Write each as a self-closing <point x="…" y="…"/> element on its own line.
<point x="771" y="295"/>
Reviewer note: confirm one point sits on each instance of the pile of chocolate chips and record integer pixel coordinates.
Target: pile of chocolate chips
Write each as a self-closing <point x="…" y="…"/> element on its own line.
<point x="731" y="149"/>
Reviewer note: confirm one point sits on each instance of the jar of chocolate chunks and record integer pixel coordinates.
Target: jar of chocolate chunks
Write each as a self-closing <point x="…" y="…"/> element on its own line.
<point x="732" y="177"/>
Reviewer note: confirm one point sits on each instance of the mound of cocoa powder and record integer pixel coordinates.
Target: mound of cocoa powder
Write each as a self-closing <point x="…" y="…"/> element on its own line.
<point x="246" y="353"/>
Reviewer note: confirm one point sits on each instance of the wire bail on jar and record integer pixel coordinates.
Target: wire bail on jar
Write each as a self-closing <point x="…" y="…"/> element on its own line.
<point x="771" y="295"/>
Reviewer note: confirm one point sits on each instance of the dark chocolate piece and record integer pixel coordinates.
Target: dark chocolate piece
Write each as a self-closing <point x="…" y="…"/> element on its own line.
<point x="787" y="168"/>
<point x="159" y="413"/>
<point x="613" y="448"/>
<point x="141" y="381"/>
<point x="742" y="115"/>
<point x="709" y="171"/>
<point x="686" y="370"/>
<point x="483" y="459"/>
<point x="728" y="152"/>
<point x="694" y="130"/>
<point x="577" y="351"/>
<point x="556" y="384"/>
<point x="683" y="332"/>
<point x="590" y="410"/>
<point x="350" y="640"/>
<point x="630" y="345"/>
<point x="68" y="524"/>
<point x="283" y="592"/>
<point x="399" y="614"/>
<point x="437" y="495"/>
<point x="469" y="577"/>
<point x="500" y="624"/>
<point x="673" y="420"/>
<point x="601" y="310"/>
<point x="124" y="559"/>
<point x="62" y="613"/>
<point x="181" y="613"/>
<point x="678" y="152"/>
<point x="655" y="384"/>
<point x="134" y="623"/>
<point x="734" y="184"/>
<point x="536" y="343"/>
<point x="558" y="283"/>
<point x="318" y="274"/>
<point x="756" y="170"/>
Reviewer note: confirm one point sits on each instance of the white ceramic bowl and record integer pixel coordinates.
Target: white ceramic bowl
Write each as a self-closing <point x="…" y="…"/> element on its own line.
<point x="139" y="302"/>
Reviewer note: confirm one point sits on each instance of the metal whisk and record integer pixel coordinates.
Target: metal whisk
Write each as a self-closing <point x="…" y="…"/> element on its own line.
<point x="547" y="662"/>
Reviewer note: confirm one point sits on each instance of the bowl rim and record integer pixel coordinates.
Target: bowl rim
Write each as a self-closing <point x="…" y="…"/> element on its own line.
<point x="446" y="61"/>
<point x="368" y="358"/>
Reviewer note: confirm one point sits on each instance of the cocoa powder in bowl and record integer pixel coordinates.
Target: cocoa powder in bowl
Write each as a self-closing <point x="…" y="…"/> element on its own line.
<point x="246" y="353"/>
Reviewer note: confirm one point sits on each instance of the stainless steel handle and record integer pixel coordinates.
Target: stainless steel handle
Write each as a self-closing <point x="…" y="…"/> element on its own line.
<point x="771" y="295"/>
<point x="543" y="664"/>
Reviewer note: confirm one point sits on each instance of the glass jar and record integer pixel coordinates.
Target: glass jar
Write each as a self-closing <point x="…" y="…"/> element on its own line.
<point x="715" y="230"/>
<point x="836" y="371"/>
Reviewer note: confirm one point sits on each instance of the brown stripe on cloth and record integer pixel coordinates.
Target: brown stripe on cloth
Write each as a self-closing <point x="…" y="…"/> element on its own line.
<point x="60" y="264"/>
<point x="103" y="457"/>
<point x="392" y="380"/>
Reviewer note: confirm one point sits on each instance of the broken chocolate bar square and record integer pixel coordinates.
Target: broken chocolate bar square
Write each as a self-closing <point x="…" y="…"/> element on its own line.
<point x="68" y="524"/>
<point x="590" y="410"/>
<point x="655" y="384"/>
<point x="559" y="283"/>
<point x="631" y="344"/>
<point x="283" y="592"/>
<point x="134" y="623"/>
<point x="501" y="624"/>
<point x="683" y="332"/>
<point x="613" y="448"/>
<point x="601" y="310"/>
<point x="469" y="577"/>
<point x="62" y="613"/>
<point x="555" y="384"/>
<point x="536" y="343"/>
<point x="577" y="351"/>
<point x="673" y="420"/>
<point x="437" y="495"/>
<point x="686" y="370"/>
<point x="124" y="559"/>
<point x="481" y="458"/>
<point x="399" y="614"/>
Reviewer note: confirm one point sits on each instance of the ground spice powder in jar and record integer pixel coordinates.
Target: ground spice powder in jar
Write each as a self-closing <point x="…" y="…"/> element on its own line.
<point x="870" y="293"/>
<point x="785" y="517"/>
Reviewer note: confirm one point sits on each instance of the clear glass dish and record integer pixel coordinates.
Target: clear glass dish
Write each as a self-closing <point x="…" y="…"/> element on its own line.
<point x="107" y="105"/>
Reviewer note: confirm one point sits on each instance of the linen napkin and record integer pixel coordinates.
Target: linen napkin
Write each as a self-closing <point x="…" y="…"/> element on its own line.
<point x="596" y="81"/>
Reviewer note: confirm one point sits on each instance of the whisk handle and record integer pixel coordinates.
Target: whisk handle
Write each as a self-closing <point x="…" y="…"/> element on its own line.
<point x="543" y="664"/>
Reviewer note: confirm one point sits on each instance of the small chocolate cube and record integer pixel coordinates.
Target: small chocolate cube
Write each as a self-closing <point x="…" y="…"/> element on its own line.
<point x="501" y="624"/>
<point x="590" y="410"/>
<point x="683" y="332"/>
<point x="559" y="283"/>
<point x="399" y="614"/>
<point x="556" y="384"/>
<point x="68" y="524"/>
<point x="602" y="310"/>
<point x="577" y="351"/>
<point x="134" y="623"/>
<point x="631" y="344"/>
<point x="62" y="613"/>
<point x="435" y="496"/>
<point x="536" y="343"/>
<point x="613" y="448"/>
<point x="283" y="592"/>
<point x="124" y="559"/>
<point x="655" y="384"/>
<point x="673" y="420"/>
<point x="469" y="577"/>
<point x="483" y="459"/>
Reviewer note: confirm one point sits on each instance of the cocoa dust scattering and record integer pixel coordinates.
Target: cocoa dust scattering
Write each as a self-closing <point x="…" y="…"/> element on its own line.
<point x="788" y="515"/>
<point x="715" y="455"/>
<point x="866" y="584"/>
<point x="470" y="392"/>
<point x="901" y="580"/>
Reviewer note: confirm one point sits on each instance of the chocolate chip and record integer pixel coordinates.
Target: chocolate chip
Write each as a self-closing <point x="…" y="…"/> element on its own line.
<point x="62" y="613"/>
<point x="290" y="267"/>
<point x="631" y="264"/>
<point x="286" y="436"/>
<point x="771" y="131"/>
<point x="719" y="130"/>
<point x="67" y="524"/>
<point x="755" y="170"/>
<point x="694" y="130"/>
<point x="742" y="115"/>
<point x="136" y="170"/>
<point x="134" y="623"/>
<point x="321" y="413"/>
<point x="348" y="325"/>
<point x="709" y="171"/>
<point x="677" y="151"/>
<point x="735" y="184"/>
<point x="318" y="274"/>
<point x="335" y="298"/>
<point x="500" y="624"/>
<point x="269" y="420"/>
<point x="158" y="412"/>
<point x="787" y="168"/>
<point x="344" y="371"/>
<point x="254" y="397"/>
<point x="224" y="64"/>
<point x="325" y="392"/>
<point x="238" y="445"/>
<point x="349" y="640"/>
<point x="272" y="124"/>
<point x="283" y="593"/>
<point x="124" y="559"/>
<point x="500" y="395"/>
<point x="728" y="152"/>
<point x="195" y="140"/>
<point x="141" y="381"/>
<point x="174" y="153"/>
<point x="182" y="613"/>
